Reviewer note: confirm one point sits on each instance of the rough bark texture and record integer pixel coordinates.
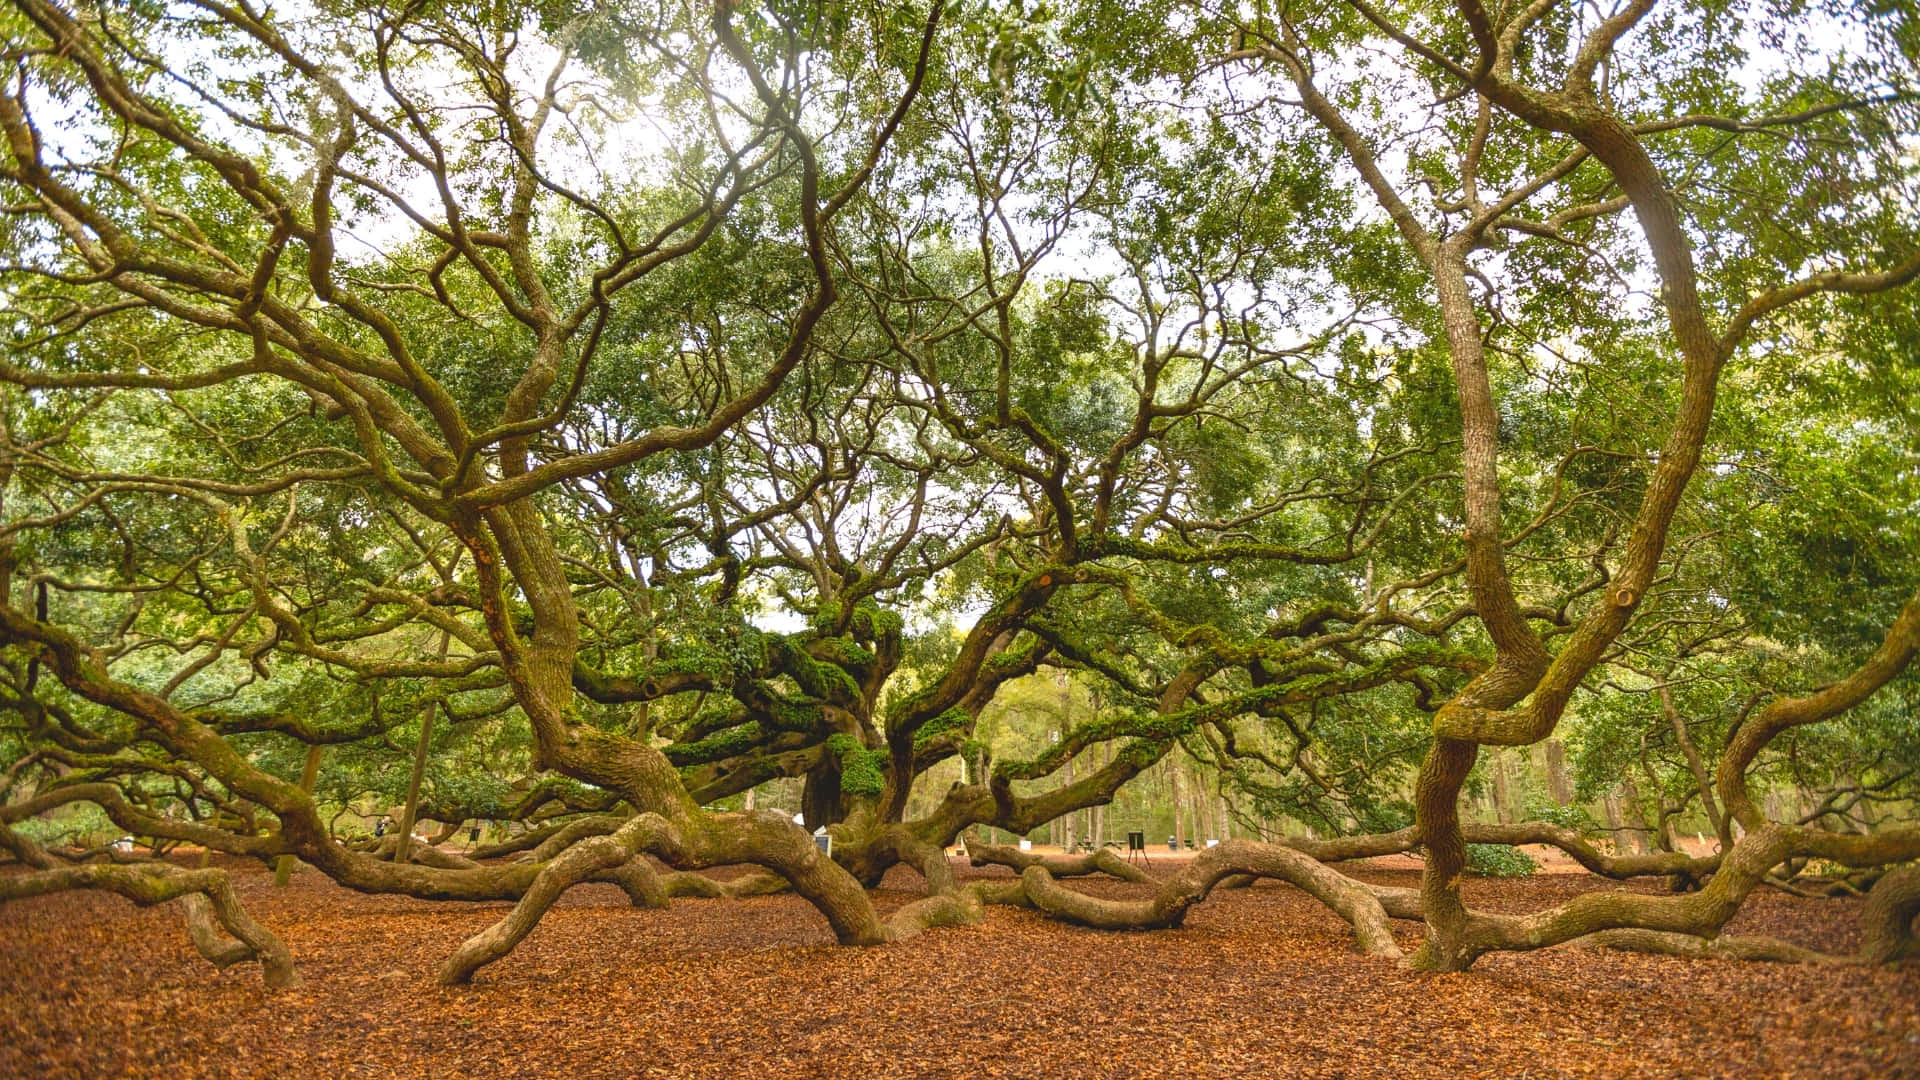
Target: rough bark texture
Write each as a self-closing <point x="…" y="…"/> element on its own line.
<point x="1724" y="947"/>
<point x="1100" y="861"/>
<point x="1352" y="900"/>
<point x="1886" y="925"/>
<point x="576" y="864"/>
<point x="209" y="899"/>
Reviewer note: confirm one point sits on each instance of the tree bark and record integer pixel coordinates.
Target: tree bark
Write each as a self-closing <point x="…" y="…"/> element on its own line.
<point x="309" y="773"/>
<point x="403" y="850"/>
<point x="1351" y="899"/>
<point x="1502" y="787"/>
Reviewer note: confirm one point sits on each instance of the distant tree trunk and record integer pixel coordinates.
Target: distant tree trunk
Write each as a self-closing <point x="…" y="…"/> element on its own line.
<point x="1203" y="798"/>
<point x="1502" y="788"/>
<point x="1683" y="738"/>
<point x="1559" y="784"/>
<point x="403" y="848"/>
<point x="1071" y="821"/>
<point x="1100" y="821"/>
<point x="1179" y="821"/>
<point x="1065" y="824"/>
<point x="309" y="773"/>
<point x="1638" y="839"/>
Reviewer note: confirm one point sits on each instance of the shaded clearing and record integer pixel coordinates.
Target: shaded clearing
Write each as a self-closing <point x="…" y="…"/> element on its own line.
<point x="1261" y="981"/>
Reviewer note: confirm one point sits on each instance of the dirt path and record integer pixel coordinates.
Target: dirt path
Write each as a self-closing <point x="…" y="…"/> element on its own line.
<point x="1261" y="982"/>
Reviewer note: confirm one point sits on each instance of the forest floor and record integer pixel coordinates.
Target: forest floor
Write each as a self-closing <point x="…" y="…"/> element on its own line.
<point x="1260" y="982"/>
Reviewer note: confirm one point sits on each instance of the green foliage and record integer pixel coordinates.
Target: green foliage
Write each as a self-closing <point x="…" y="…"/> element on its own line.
<point x="1499" y="860"/>
<point x="862" y="771"/>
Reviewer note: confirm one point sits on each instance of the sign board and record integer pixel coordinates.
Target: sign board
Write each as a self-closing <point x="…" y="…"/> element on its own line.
<point x="822" y="841"/>
<point x="1136" y="841"/>
<point x="1026" y="845"/>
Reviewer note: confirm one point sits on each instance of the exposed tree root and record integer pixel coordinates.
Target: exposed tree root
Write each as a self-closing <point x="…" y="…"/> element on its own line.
<point x="1102" y="861"/>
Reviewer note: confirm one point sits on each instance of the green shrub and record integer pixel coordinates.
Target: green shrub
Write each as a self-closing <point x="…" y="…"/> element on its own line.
<point x="1499" y="860"/>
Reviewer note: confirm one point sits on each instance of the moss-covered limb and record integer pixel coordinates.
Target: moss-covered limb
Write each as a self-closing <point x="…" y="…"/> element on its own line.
<point x="733" y="742"/>
<point x="710" y="783"/>
<point x="862" y="771"/>
<point x="1722" y="947"/>
<point x="1113" y="545"/>
<point x="955" y="721"/>
<point x="665" y="679"/>
<point x="1700" y="914"/>
<point x="709" y="721"/>
<point x="1168" y="907"/>
<point x="1102" y="861"/>
<point x="113" y="801"/>
<point x="818" y="679"/>
<point x="963" y="905"/>
<point x="991" y="634"/>
<point x="572" y="833"/>
<point x="1895" y="652"/>
<point x="526" y="841"/>
<point x="147" y="884"/>
<point x="298" y="726"/>
<point x="861" y="618"/>
<point x="1008" y="656"/>
<point x="573" y="795"/>
<point x="777" y="711"/>
<point x="1169" y="725"/>
<point x="1659" y="863"/>
<point x="1062" y="645"/>
<point x="572" y="866"/>
<point x="843" y="652"/>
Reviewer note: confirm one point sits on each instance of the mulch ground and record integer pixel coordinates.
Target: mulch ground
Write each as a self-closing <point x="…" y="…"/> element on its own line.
<point x="1260" y="982"/>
